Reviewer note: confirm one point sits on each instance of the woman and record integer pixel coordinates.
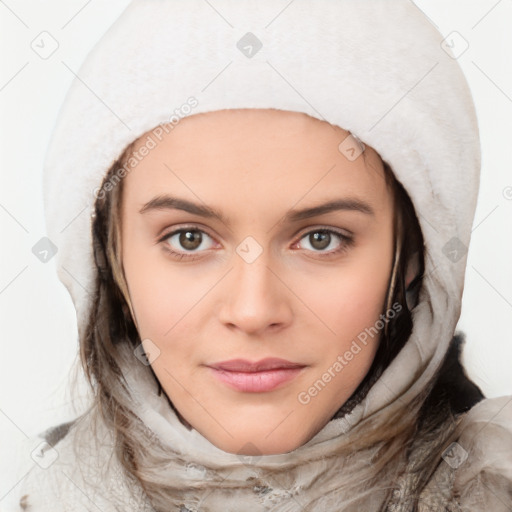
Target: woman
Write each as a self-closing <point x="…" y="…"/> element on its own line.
<point x="272" y="212"/>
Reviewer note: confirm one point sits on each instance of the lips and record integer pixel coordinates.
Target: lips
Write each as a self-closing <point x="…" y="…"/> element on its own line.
<point x="242" y="365"/>
<point x="256" y="377"/>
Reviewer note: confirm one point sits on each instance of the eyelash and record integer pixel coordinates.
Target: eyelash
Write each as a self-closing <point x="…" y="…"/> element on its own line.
<point x="347" y="241"/>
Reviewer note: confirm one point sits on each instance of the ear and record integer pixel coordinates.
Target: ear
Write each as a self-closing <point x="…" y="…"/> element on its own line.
<point x="413" y="269"/>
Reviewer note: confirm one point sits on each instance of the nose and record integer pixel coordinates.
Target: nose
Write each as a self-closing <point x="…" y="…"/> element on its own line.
<point x="255" y="299"/>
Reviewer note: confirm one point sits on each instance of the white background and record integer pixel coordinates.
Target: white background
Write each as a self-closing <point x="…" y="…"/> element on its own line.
<point x="37" y="316"/>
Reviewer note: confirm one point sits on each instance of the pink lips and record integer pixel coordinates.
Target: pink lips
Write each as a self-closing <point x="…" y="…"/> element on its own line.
<point x="257" y="377"/>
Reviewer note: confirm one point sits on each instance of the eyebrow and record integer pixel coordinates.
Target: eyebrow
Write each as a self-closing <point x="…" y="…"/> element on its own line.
<point x="166" y="202"/>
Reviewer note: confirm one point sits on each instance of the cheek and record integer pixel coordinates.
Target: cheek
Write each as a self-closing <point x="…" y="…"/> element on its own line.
<point x="349" y="332"/>
<point x="349" y="305"/>
<point x="151" y="292"/>
<point x="352" y="298"/>
<point x="159" y="302"/>
<point x="164" y="297"/>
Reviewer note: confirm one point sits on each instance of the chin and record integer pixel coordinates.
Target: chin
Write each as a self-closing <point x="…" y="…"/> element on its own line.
<point x="258" y="441"/>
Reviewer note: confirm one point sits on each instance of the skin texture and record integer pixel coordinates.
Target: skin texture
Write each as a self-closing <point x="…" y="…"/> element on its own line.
<point x="292" y="301"/>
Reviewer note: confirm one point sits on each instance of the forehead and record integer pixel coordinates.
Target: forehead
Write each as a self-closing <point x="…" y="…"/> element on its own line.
<point x="245" y="155"/>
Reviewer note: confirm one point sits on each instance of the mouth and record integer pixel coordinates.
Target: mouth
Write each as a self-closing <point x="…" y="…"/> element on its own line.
<point x="256" y="377"/>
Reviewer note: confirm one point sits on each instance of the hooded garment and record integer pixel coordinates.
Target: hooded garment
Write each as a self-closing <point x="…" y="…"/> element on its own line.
<point x="376" y="68"/>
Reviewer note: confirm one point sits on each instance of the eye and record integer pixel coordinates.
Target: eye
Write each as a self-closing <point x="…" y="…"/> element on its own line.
<point x="323" y="238"/>
<point x="184" y="240"/>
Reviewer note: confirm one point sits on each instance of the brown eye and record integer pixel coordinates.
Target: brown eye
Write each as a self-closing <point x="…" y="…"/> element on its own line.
<point x="186" y="241"/>
<point x="190" y="239"/>
<point x="320" y="239"/>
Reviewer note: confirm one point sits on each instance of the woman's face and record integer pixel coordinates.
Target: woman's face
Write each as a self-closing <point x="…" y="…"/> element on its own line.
<point x="274" y="275"/>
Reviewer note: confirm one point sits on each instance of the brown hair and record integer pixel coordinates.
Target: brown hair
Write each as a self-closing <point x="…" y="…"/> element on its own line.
<point x="111" y="324"/>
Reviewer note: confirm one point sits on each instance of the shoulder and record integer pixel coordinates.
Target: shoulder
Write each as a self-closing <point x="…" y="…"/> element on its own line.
<point x="475" y="468"/>
<point x="481" y="457"/>
<point x="469" y="439"/>
<point x="49" y="458"/>
<point x="474" y="472"/>
<point x="75" y="469"/>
